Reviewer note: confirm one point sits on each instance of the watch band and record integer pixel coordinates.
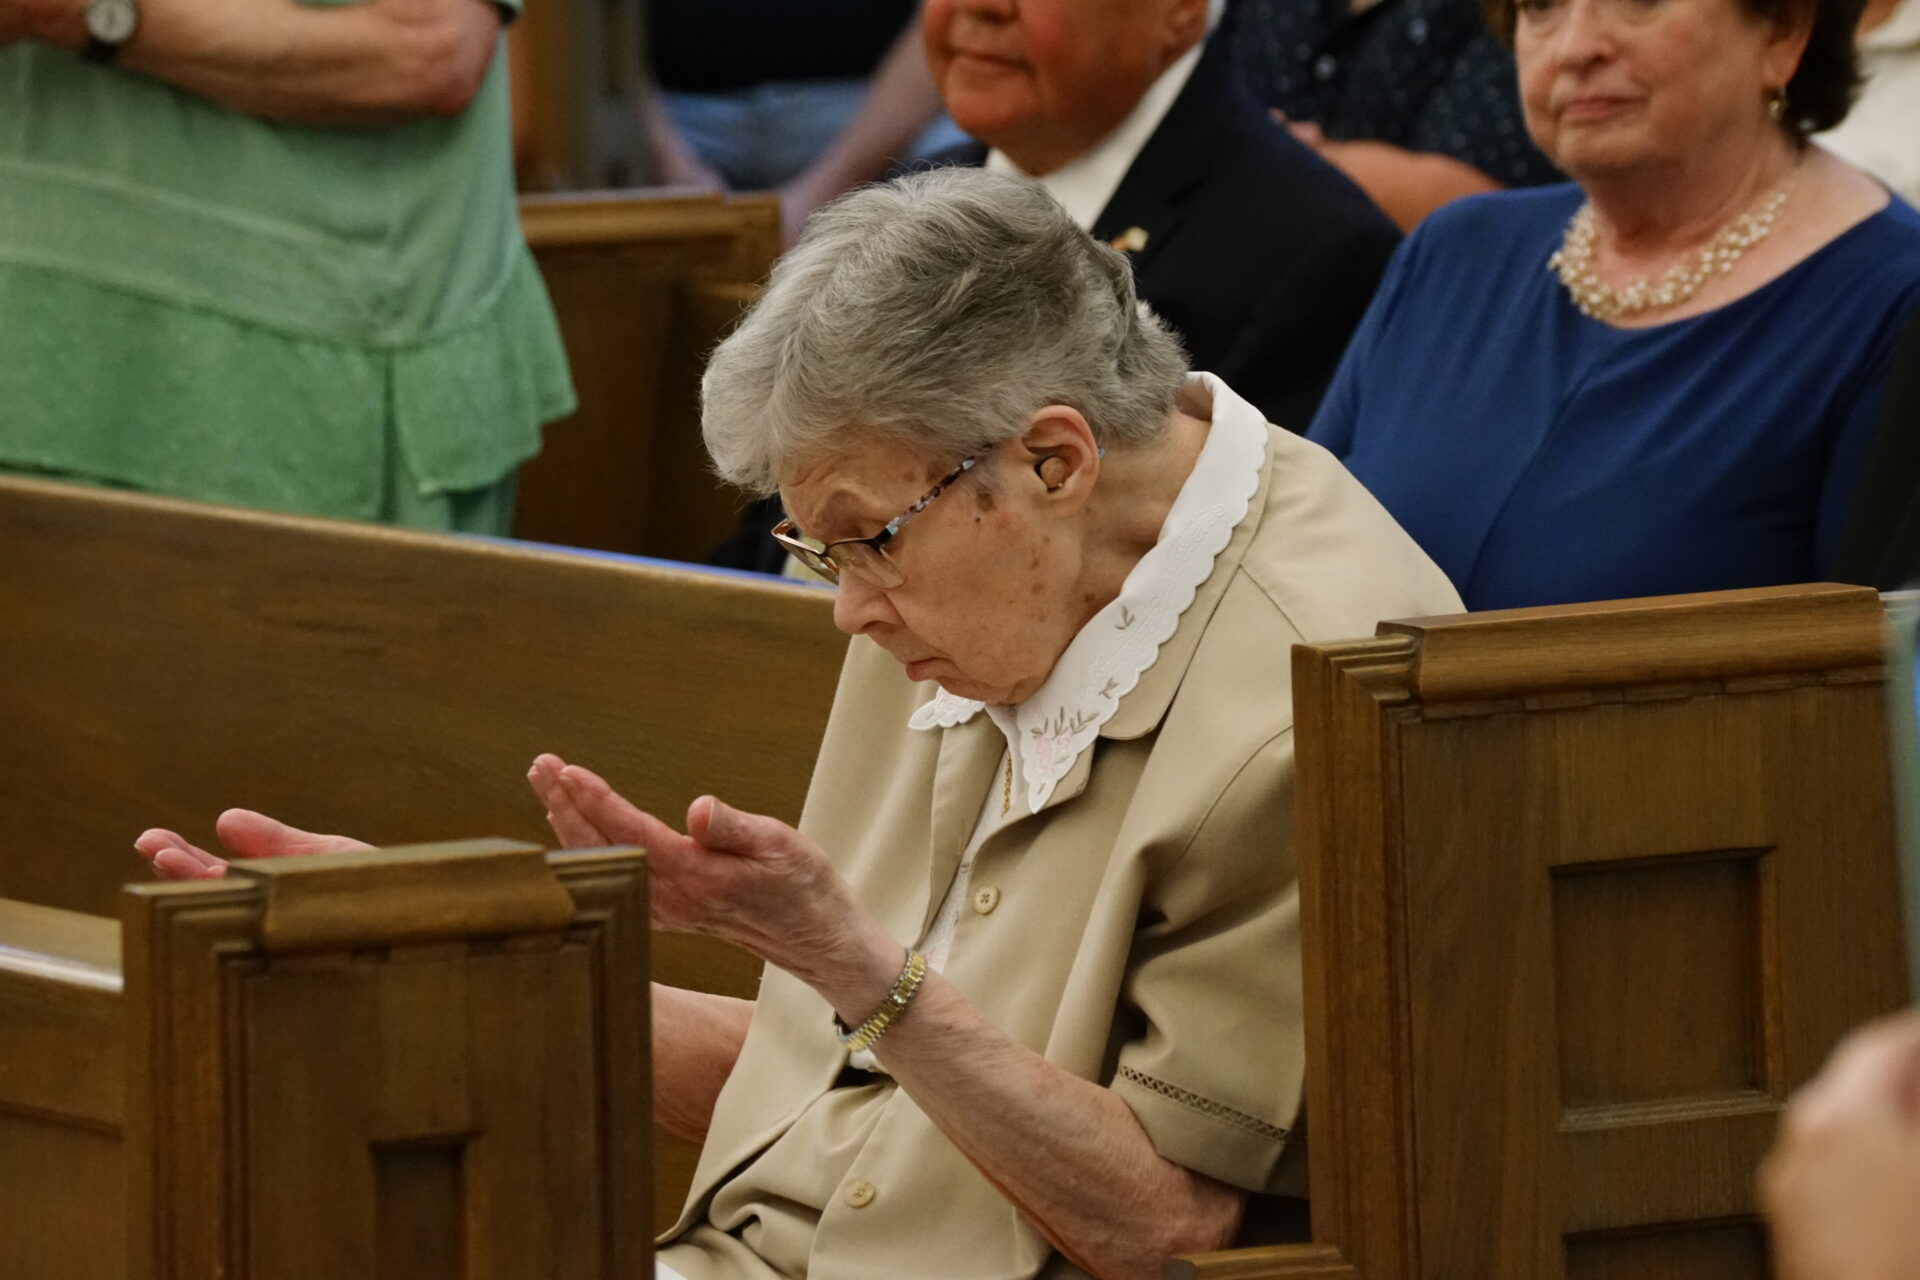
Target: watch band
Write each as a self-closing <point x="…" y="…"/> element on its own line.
<point x="100" y="51"/>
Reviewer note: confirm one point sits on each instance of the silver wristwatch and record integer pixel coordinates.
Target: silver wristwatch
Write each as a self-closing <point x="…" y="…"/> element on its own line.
<point x="110" y="24"/>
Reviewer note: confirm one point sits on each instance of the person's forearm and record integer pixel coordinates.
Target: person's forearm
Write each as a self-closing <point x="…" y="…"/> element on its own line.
<point x="670" y="162"/>
<point x="1070" y="1155"/>
<point x="1066" y="1152"/>
<point x="1407" y="185"/>
<point x="900" y="103"/>
<point x="379" y="62"/>
<point x="696" y="1041"/>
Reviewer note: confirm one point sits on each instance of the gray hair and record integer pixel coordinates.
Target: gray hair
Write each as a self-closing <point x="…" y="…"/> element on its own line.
<point x="942" y="310"/>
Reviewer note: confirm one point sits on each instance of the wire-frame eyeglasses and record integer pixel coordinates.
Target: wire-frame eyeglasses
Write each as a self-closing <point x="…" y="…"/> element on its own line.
<point x="863" y="558"/>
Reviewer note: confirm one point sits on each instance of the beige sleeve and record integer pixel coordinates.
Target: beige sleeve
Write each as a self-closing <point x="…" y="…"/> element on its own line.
<point x="1215" y="1074"/>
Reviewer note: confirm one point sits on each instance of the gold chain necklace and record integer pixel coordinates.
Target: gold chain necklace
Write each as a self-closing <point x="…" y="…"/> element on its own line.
<point x="1573" y="263"/>
<point x="1006" y="791"/>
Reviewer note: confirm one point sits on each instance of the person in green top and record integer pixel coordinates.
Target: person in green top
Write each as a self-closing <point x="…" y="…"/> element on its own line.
<point x="265" y="252"/>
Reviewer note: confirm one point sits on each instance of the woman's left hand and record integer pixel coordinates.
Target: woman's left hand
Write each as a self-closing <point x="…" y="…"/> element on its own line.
<point x="745" y="878"/>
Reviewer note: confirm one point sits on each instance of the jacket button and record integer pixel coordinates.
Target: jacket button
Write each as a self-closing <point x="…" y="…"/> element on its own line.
<point x="985" y="899"/>
<point x="861" y="1194"/>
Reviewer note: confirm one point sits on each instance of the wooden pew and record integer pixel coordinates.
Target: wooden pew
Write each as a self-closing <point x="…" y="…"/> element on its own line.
<point x="1586" y="891"/>
<point x="423" y="1063"/>
<point x="645" y="284"/>
<point x="167" y="660"/>
<point x="1518" y="832"/>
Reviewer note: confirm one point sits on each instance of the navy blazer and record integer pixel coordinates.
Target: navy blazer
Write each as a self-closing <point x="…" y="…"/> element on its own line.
<point x="1262" y="255"/>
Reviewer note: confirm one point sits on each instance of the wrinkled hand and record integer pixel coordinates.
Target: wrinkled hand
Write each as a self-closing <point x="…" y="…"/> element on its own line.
<point x="246" y="834"/>
<point x="748" y="879"/>
<point x="1842" y="1184"/>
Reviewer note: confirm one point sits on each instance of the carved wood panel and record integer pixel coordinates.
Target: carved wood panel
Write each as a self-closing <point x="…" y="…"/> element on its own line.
<point x="317" y="1100"/>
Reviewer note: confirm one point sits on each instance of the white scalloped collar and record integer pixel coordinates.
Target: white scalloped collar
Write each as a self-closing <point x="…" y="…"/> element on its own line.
<point x="1103" y="663"/>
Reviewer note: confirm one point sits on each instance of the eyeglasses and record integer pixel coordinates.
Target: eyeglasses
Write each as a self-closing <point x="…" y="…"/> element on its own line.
<point x="863" y="558"/>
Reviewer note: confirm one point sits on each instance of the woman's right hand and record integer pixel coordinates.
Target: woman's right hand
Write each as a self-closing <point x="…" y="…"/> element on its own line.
<point x="246" y="834"/>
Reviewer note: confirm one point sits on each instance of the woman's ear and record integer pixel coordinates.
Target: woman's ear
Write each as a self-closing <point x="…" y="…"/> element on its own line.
<point x="1060" y="448"/>
<point x="1792" y="29"/>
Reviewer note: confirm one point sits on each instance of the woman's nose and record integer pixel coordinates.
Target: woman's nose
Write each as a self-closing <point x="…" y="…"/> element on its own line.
<point x="1585" y="34"/>
<point x="859" y="605"/>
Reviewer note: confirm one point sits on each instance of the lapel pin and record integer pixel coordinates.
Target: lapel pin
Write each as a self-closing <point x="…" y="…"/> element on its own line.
<point x="1132" y="240"/>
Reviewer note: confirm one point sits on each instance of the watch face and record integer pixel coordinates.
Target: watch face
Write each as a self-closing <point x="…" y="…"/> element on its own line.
<point x="111" y="21"/>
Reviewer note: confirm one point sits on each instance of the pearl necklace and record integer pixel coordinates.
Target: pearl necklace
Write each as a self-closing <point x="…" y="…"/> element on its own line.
<point x="1573" y="263"/>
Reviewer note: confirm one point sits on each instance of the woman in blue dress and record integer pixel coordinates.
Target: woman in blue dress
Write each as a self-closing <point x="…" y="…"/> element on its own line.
<point x="1666" y="375"/>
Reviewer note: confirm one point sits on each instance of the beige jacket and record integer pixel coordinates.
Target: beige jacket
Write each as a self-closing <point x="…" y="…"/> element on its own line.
<point x="1143" y="932"/>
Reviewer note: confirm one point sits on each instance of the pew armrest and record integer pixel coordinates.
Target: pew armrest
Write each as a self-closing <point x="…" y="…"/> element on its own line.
<point x="60" y="1045"/>
<point x="65" y="946"/>
<point x="1275" y="1262"/>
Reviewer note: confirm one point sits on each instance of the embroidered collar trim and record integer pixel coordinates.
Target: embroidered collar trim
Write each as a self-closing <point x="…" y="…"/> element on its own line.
<point x="1103" y="663"/>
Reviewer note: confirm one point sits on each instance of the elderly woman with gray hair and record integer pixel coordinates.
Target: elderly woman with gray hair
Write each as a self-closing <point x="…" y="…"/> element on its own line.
<point x="1032" y="1004"/>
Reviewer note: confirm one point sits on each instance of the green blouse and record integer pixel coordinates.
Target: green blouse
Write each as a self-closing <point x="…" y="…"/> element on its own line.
<point x="200" y="302"/>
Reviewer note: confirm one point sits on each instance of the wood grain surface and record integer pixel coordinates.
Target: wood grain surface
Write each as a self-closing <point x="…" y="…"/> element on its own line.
<point x="644" y="283"/>
<point x="169" y="660"/>
<point x="1585" y="893"/>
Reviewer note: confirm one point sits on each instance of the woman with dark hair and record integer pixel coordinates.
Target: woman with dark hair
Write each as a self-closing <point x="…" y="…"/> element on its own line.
<point x="1665" y="376"/>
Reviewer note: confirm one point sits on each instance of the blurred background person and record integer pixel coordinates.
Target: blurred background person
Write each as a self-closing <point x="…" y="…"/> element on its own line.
<point x="1262" y="256"/>
<point x="1882" y="132"/>
<point x="1666" y="377"/>
<point x="807" y="97"/>
<point x="268" y="254"/>
<point x="1412" y="99"/>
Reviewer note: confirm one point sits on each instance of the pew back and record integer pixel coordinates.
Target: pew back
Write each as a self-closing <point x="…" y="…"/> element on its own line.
<point x="425" y="1062"/>
<point x="168" y="660"/>
<point x="1586" y="891"/>
<point x="645" y="283"/>
<point x="62" y="1096"/>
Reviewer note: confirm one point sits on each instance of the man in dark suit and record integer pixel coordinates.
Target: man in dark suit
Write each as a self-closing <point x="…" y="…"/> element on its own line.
<point x="1261" y="255"/>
